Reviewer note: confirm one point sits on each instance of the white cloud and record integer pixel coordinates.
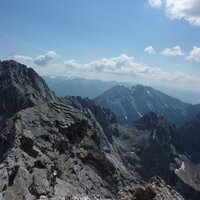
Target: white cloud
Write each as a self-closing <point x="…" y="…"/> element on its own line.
<point x="149" y="50"/>
<point x="121" y="68"/>
<point x="43" y="60"/>
<point x="194" y="54"/>
<point x="188" y="10"/>
<point x="155" y="3"/>
<point x="174" y="51"/>
<point x="184" y="9"/>
<point x="21" y="58"/>
<point x="40" y="60"/>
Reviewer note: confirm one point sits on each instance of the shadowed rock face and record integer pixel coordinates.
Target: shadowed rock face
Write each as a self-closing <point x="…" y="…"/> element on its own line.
<point x="152" y="146"/>
<point x="187" y="142"/>
<point x="72" y="147"/>
<point x="188" y="139"/>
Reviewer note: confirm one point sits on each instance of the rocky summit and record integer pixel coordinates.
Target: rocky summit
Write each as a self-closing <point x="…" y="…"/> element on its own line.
<point x="20" y="87"/>
<point x="71" y="148"/>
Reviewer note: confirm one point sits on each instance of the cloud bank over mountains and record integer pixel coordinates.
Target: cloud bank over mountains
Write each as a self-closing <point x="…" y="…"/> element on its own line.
<point x="120" y="68"/>
<point x="188" y="10"/>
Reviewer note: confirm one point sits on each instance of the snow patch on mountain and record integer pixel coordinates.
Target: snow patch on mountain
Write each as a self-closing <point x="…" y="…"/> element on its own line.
<point x="148" y="92"/>
<point x="139" y="114"/>
<point x="182" y="168"/>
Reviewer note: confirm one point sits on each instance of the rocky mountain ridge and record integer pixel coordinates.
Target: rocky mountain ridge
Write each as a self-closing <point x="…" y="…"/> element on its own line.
<point x="52" y="148"/>
<point x="72" y="147"/>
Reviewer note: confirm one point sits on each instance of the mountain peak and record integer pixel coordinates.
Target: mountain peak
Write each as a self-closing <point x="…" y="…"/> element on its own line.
<point x="131" y="103"/>
<point x="20" y="87"/>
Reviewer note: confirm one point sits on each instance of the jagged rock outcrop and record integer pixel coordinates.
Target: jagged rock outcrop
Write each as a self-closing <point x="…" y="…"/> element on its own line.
<point x="157" y="189"/>
<point x="146" y="147"/>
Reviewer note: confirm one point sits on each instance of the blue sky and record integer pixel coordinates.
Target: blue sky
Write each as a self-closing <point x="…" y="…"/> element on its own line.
<point x="154" y="42"/>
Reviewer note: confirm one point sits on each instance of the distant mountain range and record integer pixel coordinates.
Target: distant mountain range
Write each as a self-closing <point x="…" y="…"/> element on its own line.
<point x="183" y="95"/>
<point x="64" y="86"/>
<point x="131" y="103"/>
<point x="78" y="86"/>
